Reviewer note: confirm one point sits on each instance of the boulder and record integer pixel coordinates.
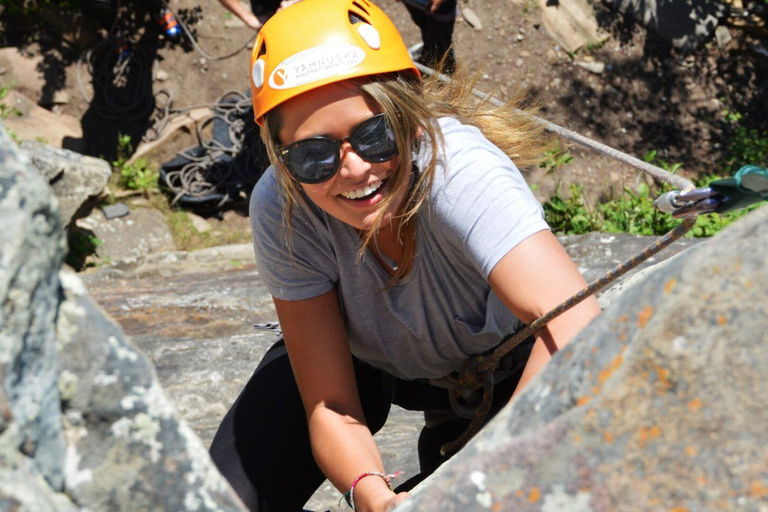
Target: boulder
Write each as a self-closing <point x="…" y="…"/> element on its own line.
<point x="571" y="23"/>
<point x="32" y="122"/>
<point x="84" y="422"/>
<point x="75" y="179"/>
<point x="31" y="251"/>
<point x="127" y="449"/>
<point x="25" y="72"/>
<point x="659" y="404"/>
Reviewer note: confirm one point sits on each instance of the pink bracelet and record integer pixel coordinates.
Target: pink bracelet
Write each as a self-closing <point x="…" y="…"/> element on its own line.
<point x="349" y="496"/>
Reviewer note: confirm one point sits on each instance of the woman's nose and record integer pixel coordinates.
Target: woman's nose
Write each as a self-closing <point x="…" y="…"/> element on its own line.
<point x="352" y="165"/>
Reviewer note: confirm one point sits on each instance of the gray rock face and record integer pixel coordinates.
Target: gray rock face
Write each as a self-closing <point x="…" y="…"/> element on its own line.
<point x="127" y="449"/>
<point x="84" y="423"/>
<point x="658" y="405"/>
<point x="31" y="251"/>
<point x="75" y="178"/>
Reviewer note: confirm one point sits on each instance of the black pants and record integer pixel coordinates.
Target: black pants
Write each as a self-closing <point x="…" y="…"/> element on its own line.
<point x="262" y="445"/>
<point x="436" y="33"/>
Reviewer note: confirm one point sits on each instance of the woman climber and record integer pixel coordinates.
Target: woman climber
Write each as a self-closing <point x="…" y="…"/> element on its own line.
<point x="397" y="239"/>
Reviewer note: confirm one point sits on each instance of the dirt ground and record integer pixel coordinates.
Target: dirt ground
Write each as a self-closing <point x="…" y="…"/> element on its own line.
<point x="650" y="97"/>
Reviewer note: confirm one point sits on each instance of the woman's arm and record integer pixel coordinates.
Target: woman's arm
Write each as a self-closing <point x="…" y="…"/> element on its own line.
<point x="342" y="444"/>
<point x="532" y="279"/>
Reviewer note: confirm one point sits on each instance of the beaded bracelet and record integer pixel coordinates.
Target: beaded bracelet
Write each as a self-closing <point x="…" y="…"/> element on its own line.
<point x="349" y="496"/>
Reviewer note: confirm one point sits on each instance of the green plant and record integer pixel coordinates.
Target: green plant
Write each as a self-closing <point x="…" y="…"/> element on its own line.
<point x="137" y="175"/>
<point x="555" y="157"/>
<point x="7" y="111"/>
<point x="82" y="245"/>
<point x="570" y="215"/>
<point x="744" y="146"/>
<point x="630" y="212"/>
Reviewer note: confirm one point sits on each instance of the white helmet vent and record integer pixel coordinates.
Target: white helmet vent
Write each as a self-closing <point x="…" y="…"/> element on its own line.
<point x="370" y="35"/>
<point x="257" y="73"/>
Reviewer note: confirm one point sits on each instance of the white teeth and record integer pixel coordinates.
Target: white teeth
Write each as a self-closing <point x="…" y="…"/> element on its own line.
<point x="368" y="190"/>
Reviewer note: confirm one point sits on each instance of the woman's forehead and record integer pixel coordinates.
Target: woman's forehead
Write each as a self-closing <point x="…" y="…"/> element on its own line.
<point x="324" y="111"/>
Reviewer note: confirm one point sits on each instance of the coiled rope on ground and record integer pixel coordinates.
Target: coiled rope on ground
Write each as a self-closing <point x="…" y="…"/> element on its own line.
<point x="122" y="74"/>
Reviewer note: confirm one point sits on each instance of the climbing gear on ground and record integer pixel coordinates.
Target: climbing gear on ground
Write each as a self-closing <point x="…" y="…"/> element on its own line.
<point x="222" y="169"/>
<point x="349" y="496"/>
<point x="318" y="42"/>
<point x="317" y="159"/>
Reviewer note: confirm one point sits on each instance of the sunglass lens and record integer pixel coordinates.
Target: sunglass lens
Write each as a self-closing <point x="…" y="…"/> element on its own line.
<point x="313" y="161"/>
<point x="374" y="140"/>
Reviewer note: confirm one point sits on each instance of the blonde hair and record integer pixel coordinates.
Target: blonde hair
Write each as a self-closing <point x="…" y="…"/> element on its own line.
<point x="411" y="106"/>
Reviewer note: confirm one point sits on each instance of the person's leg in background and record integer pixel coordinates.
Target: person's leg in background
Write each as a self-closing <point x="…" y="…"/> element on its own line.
<point x="436" y="33"/>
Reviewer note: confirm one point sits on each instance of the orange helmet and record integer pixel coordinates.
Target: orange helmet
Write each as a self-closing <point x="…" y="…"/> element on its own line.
<point x="318" y="42"/>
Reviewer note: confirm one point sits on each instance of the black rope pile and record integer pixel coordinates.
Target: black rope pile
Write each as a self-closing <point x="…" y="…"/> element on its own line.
<point x="223" y="168"/>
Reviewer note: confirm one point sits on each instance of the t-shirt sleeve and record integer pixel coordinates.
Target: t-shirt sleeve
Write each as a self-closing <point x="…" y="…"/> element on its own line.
<point x="306" y="268"/>
<point x="485" y="205"/>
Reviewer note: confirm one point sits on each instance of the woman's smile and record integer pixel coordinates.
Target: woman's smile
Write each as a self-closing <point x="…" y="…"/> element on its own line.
<point x="354" y="193"/>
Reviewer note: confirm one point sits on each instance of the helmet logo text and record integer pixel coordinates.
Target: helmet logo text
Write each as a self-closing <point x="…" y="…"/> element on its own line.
<point x="315" y="64"/>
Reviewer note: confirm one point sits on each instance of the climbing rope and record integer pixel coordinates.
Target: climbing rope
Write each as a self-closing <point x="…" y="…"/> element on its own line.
<point x="204" y="173"/>
<point x="477" y="373"/>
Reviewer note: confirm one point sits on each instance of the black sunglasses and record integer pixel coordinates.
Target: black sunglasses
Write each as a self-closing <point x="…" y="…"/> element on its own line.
<point x="318" y="159"/>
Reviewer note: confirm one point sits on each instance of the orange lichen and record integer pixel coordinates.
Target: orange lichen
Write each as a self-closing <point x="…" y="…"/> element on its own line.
<point x="608" y="437"/>
<point x="695" y="404"/>
<point x="583" y="400"/>
<point x="576" y="438"/>
<point x="663" y="380"/>
<point x="690" y="450"/>
<point x="722" y="320"/>
<point x="679" y="509"/>
<point x="758" y="490"/>
<point x="623" y="318"/>
<point x="519" y="493"/>
<point x="644" y="316"/>
<point x="648" y="433"/>
<point x="535" y="495"/>
<point x="496" y="507"/>
<point x="607" y="372"/>
<point x="669" y="285"/>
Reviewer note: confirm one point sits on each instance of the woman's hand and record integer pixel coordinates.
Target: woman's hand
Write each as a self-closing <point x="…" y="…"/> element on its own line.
<point x="396" y="500"/>
<point x="381" y="501"/>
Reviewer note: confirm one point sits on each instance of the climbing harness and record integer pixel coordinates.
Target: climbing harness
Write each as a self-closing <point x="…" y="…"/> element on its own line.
<point x="471" y="398"/>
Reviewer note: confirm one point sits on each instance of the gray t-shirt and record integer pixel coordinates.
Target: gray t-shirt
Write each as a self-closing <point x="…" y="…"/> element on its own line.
<point x="443" y="311"/>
